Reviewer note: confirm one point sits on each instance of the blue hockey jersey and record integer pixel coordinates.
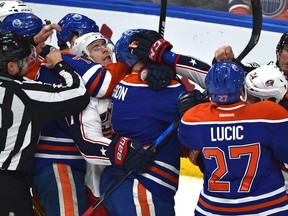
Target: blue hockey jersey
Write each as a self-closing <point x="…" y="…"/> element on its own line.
<point x="143" y="114"/>
<point x="241" y="146"/>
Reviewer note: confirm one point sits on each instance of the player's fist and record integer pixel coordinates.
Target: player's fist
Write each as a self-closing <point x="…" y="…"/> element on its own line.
<point x="158" y="76"/>
<point x="149" y="44"/>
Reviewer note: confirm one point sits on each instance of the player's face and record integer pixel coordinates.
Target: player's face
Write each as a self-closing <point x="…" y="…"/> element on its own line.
<point x="283" y="60"/>
<point x="99" y="52"/>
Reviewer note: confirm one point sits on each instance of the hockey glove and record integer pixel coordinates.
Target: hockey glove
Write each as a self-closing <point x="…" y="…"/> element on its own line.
<point x="125" y="153"/>
<point x="122" y="51"/>
<point x="158" y="76"/>
<point x="186" y="100"/>
<point x="149" y="44"/>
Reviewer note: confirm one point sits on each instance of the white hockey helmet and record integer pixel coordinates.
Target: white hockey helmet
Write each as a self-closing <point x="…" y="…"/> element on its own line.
<point x="11" y="7"/>
<point x="266" y="82"/>
<point x="80" y="45"/>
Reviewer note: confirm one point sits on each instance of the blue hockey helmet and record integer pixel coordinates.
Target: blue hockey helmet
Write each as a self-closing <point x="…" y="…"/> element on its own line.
<point x="22" y="23"/>
<point x="122" y="48"/>
<point x="75" y="23"/>
<point x="224" y="82"/>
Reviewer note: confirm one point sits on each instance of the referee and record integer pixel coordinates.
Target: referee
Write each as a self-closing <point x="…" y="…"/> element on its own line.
<point x="25" y="105"/>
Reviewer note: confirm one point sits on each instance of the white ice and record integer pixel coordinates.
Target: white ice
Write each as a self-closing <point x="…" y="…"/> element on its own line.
<point x="187" y="195"/>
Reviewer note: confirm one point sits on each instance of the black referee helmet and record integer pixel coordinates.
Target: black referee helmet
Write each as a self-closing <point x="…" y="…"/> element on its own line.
<point x="13" y="48"/>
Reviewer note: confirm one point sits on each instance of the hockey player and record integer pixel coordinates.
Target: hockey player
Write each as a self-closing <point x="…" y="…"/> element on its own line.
<point x="151" y="192"/>
<point x="74" y="25"/>
<point x="100" y="81"/>
<point x="241" y="148"/>
<point x="282" y="53"/>
<point x="150" y="45"/>
<point x="28" y="24"/>
<point x="89" y="137"/>
<point x="59" y="169"/>
<point x="266" y="82"/>
<point x="91" y="129"/>
<point x="26" y="107"/>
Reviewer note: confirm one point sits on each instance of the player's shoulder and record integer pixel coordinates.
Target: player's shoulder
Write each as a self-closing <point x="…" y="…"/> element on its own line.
<point x="70" y="58"/>
<point x="46" y="50"/>
<point x="118" y="69"/>
<point x="46" y="75"/>
<point x="269" y="110"/>
<point x="197" y="113"/>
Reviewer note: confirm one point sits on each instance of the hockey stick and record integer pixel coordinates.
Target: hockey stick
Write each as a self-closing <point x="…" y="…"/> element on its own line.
<point x="38" y="210"/>
<point x="159" y="141"/>
<point x="106" y="31"/>
<point x="162" y="19"/>
<point x="256" y="31"/>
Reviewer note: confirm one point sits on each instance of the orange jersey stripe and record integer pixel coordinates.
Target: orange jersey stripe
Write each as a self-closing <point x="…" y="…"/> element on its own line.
<point x="164" y="174"/>
<point x="143" y="199"/>
<point x="66" y="189"/>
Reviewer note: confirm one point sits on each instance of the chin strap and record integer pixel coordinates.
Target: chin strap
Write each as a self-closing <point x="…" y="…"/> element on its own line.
<point x="6" y="78"/>
<point x="20" y="66"/>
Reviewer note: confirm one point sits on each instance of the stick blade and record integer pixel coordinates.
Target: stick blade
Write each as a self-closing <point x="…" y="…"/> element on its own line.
<point x="106" y="31"/>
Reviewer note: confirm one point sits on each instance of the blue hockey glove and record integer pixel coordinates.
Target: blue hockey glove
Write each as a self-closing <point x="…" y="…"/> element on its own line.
<point x="122" y="51"/>
<point x="125" y="153"/>
<point x="158" y="76"/>
<point x="186" y="100"/>
<point x="149" y="44"/>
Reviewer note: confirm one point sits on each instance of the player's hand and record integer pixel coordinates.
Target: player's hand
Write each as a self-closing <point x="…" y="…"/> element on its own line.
<point x="54" y="57"/>
<point x="126" y="153"/>
<point x="186" y="100"/>
<point x="149" y="44"/>
<point x="224" y="53"/>
<point x="46" y="32"/>
<point x="158" y="76"/>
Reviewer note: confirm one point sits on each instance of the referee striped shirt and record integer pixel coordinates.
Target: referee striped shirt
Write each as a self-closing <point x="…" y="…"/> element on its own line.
<point x="25" y="105"/>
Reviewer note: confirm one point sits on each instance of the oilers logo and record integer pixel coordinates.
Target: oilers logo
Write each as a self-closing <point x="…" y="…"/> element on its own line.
<point x="17" y="23"/>
<point x="272" y="8"/>
<point x="77" y="16"/>
<point x="235" y="67"/>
